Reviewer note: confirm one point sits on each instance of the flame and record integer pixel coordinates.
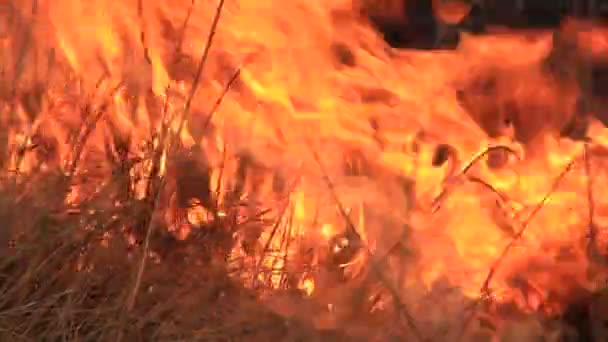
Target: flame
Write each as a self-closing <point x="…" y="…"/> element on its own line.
<point x="307" y="285"/>
<point x="323" y="124"/>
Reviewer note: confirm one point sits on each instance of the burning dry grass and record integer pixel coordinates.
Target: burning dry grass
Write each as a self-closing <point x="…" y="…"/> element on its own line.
<point x="74" y="271"/>
<point x="76" y="243"/>
<point x="129" y="214"/>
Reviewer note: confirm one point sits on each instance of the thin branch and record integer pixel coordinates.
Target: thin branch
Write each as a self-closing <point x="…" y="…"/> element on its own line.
<point x="503" y="199"/>
<point x="275" y="230"/>
<point x="142" y="31"/>
<point x="590" y="198"/>
<point x="592" y="248"/>
<point x="220" y="178"/>
<point x="451" y="180"/>
<point x="219" y="100"/>
<point x="157" y="151"/>
<point x="485" y="288"/>
<point x="153" y="190"/>
<point x="182" y="35"/>
<point x="502" y="202"/>
<point x="146" y="248"/>
<point x="466" y="167"/>
<point x="201" y="67"/>
<point x="87" y="129"/>
<point x="186" y="112"/>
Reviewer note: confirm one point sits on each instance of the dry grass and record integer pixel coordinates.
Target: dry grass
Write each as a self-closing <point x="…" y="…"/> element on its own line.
<point x="91" y="270"/>
<point x="105" y="268"/>
<point x="71" y="272"/>
<point x="67" y="271"/>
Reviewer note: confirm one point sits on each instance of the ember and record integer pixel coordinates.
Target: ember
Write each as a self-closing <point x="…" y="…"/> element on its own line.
<point x="203" y="170"/>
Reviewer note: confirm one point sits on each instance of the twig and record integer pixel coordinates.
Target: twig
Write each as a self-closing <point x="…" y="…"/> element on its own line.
<point x="502" y="198"/>
<point x="285" y="244"/>
<point x="220" y="178"/>
<point x="484" y="153"/>
<point x="146" y="247"/>
<point x="151" y="186"/>
<point x="155" y="185"/>
<point x="485" y="288"/>
<point x="153" y="190"/>
<point x="219" y="100"/>
<point x="185" y="113"/>
<point x="201" y="67"/>
<point x="590" y="198"/>
<point x="592" y="248"/>
<point x="452" y="179"/>
<point x="142" y="32"/>
<point x="182" y="36"/>
<point x="88" y="128"/>
<point x="273" y="233"/>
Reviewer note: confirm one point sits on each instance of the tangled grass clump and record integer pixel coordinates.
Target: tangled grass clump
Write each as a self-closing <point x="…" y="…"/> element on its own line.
<point x="68" y="271"/>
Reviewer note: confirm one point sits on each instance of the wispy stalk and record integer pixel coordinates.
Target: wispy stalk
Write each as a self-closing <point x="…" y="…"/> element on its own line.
<point x="182" y="33"/>
<point x="220" y="99"/>
<point x="452" y="180"/>
<point x="201" y="67"/>
<point x="186" y="112"/>
<point x="87" y="128"/>
<point x="592" y="247"/>
<point x="485" y="291"/>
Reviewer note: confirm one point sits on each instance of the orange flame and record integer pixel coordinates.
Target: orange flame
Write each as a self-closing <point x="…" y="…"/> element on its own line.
<point x="314" y="77"/>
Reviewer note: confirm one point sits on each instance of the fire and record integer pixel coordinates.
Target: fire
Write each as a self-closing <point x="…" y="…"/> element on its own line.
<point x="307" y="285"/>
<point x="304" y="110"/>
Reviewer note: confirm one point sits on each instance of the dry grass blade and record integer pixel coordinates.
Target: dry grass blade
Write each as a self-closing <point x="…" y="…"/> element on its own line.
<point x="142" y="33"/>
<point x="452" y="180"/>
<point x="592" y="248"/>
<point x="87" y="128"/>
<point x="151" y="225"/>
<point x="182" y="34"/>
<point x="23" y="50"/>
<point x="521" y="229"/>
<point x="275" y="229"/>
<point x="219" y="100"/>
<point x="503" y="199"/>
<point x="201" y="67"/>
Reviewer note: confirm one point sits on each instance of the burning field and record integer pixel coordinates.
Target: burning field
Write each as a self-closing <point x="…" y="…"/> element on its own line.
<point x="311" y="170"/>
